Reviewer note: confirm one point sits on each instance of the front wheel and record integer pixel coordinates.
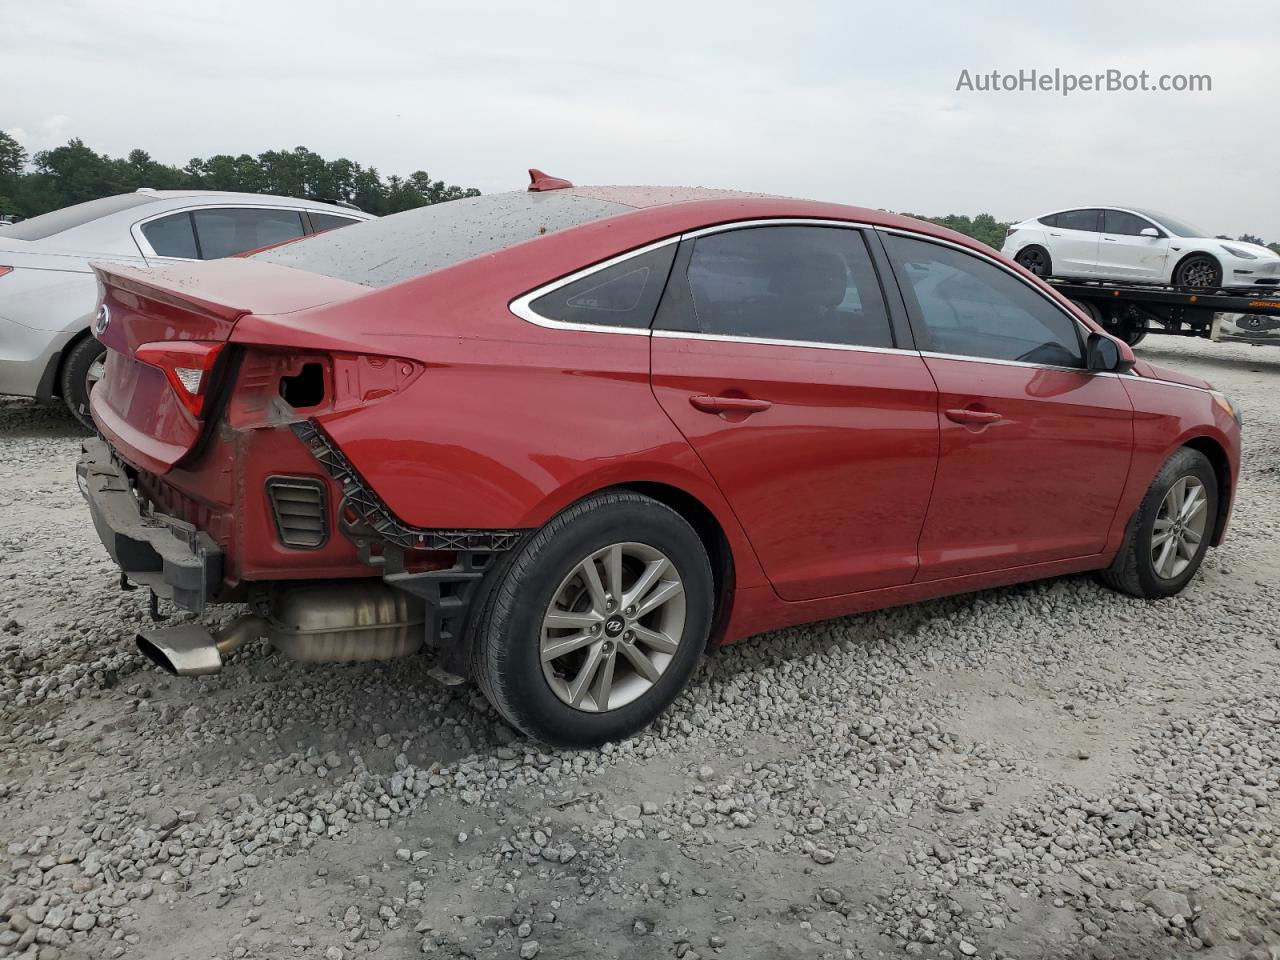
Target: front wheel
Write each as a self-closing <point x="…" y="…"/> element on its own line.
<point x="596" y="623"/>
<point x="1169" y="533"/>
<point x="1200" y="271"/>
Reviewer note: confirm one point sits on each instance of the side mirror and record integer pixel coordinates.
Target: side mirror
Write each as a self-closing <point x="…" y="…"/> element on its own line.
<point x="1149" y="232"/>
<point x="1107" y="354"/>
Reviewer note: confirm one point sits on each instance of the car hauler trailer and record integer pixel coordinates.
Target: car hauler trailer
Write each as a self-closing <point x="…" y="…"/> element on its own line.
<point x="1133" y="310"/>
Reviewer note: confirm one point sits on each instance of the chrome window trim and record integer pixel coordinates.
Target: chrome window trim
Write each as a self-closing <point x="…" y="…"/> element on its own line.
<point x="521" y="305"/>
<point x="769" y="342"/>
<point x="148" y="251"/>
<point x="980" y="255"/>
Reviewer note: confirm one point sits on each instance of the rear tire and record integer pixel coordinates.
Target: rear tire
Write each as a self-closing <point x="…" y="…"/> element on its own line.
<point x="1169" y="533"/>
<point x="1036" y="259"/>
<point x="618" y="654"/>
<point x="81" y="369"/>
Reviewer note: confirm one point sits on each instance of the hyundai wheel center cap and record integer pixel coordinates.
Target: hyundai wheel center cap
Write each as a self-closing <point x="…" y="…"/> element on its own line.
<point x="614" y="625"/>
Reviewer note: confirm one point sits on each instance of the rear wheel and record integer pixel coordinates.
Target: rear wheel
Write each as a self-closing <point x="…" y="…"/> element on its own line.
<point x="81" y="371"/>
<point x="1169" y="533"/>
<point x="1199" y="270"/>
<point x="596" y="623"/>
<point x="1036" y="259"/>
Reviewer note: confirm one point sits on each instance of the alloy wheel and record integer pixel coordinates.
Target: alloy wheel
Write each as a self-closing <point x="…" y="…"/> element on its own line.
<point x="1179" y="527"/>
<point x="1034" y="261"/>
<point x="1199" y="273"/>
<point x="94" y="374"/>
<point x="612" y="627"/>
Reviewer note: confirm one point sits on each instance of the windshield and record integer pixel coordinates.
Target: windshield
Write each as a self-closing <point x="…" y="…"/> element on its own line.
<point x="47" y="224"/>
<point x="378" y="253"/>
<point x="1178" y="228"/>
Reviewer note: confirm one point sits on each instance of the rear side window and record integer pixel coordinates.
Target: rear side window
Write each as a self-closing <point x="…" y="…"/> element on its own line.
<point x="1086" y="220"/>
<point x="320" y="222"/>
<point x="963" y="306"/>
<point x="1124" y="224"/>
<point x="623" y="295"/>
<point x="809" y="284"/>
<point x="172" y="236"/>
<point x="224" y="232"/>
<point x="1051" y="220"/>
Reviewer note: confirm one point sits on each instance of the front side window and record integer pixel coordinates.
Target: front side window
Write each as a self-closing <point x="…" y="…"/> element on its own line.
<point x="963" y="306"/>
<point x="226" y="231"/>
<point x="172" y="236"/>
<point x="623" y="295"/>
<point x="1124" y="224"/>
<point x="810" y="284"/>
<point x="1086" y="220"/>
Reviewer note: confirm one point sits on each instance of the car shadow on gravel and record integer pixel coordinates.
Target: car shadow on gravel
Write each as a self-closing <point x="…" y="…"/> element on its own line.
<point x="20" y="417"/>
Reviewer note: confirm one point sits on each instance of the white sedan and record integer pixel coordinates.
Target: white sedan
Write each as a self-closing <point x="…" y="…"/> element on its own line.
<point x="48" y="292"/>
<point x="1124" y="243"/>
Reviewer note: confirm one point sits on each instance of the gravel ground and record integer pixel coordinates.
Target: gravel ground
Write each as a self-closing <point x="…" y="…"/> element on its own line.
<point x="1050" y="770"/>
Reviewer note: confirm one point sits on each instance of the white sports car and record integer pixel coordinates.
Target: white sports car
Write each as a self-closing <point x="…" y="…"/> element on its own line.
<point x="48" y="293"/>
<point x="1124" y="243"/>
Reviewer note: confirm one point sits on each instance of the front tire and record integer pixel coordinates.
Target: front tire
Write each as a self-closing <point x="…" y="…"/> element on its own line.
<point x="596" y="623"/>
<point x="1169" y="533"/>
<point x="81" y="370"/>
<point x="1199" y="271"/>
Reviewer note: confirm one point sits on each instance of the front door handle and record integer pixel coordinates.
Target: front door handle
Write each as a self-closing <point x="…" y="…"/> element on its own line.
<point x="729" y="404"/>
<point x="972" y="417"/>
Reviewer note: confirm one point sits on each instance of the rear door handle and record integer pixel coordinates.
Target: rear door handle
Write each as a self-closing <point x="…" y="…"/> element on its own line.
<point x="971" y="417"/>
<point x="729" y="404"/>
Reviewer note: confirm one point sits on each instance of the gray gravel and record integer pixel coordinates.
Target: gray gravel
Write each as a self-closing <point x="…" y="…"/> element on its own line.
<point x="1050" y="770"/>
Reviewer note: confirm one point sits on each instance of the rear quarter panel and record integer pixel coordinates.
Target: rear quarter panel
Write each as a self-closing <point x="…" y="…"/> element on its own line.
<point x="510" y="422"/>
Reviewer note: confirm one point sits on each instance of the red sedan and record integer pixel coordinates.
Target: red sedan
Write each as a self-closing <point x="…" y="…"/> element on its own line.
<point x="571" y="437"/>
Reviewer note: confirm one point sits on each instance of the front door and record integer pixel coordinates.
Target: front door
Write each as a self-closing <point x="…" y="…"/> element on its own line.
<point x="1035" y="449"/>
<point x="1124" y="253"/>
<point x="774" y="355"/>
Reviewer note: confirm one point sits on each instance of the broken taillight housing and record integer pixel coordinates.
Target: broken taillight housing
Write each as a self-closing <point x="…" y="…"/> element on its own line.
<point x="187" y="365"/>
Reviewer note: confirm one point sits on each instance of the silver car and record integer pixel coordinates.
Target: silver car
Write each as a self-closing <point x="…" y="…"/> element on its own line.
<point x="48" y="292"/>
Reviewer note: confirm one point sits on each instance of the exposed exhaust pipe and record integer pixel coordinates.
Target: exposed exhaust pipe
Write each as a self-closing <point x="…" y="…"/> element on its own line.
<point x="320" y="623"/>
<point x="190" y="650"/>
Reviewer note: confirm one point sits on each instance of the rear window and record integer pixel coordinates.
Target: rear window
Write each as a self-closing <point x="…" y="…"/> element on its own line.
<point x="378" y="253"/>
<point x="47" y="224"/>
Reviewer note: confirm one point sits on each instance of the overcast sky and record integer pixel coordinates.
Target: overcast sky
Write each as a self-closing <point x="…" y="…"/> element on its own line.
<point x="845" y="101"/>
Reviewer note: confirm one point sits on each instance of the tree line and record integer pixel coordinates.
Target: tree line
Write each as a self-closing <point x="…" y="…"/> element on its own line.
<point x="74" y="173"/>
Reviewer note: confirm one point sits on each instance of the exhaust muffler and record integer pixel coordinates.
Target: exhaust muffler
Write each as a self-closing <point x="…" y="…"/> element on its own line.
<point x="317" y="623"/>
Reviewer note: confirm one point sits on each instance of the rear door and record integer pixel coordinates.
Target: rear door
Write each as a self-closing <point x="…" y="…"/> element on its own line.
<point x="1073" y="242"/>
<point x="1124" y="253"/>
<point x="775" y="355"/>
<point x="1035" y="448"/>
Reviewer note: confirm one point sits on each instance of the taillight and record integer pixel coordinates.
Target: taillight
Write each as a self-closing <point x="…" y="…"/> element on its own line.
<point x="1009" y="232"/>
<point x="186" y="364"/>
<point x="4" y="270"/>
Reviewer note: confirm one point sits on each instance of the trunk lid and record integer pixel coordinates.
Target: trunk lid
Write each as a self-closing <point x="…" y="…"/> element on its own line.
<point x="165" y="330"/>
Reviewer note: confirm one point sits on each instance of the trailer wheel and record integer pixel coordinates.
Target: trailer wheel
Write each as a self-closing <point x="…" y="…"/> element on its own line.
<point x="1200" y="271"/>
<point x="1036" y="259"/>
<point x="1127" y="330"/>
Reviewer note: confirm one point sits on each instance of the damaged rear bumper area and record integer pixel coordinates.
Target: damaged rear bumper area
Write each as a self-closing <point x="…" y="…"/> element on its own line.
<point x="174" y="559"/>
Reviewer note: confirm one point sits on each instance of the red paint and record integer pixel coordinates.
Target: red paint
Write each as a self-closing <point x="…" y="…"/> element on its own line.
<point x="539" y="181"/>
<point x="843" y="480"/>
